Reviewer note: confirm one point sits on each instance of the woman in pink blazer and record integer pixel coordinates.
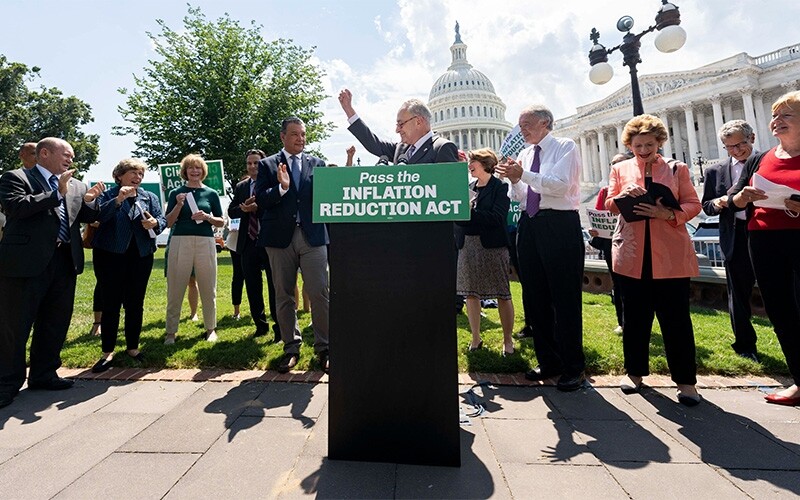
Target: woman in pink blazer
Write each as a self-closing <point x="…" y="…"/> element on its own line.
<point x="655" y="259"/>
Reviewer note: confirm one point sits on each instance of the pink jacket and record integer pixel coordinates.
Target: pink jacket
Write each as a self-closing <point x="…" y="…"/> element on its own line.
<point x="673" y="254"/>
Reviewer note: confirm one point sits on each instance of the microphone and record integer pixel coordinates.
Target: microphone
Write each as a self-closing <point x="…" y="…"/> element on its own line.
<point x="383" y="160"/>
<point x="402" y="160"/>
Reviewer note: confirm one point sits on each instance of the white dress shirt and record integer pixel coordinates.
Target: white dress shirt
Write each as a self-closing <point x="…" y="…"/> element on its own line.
<point x="558" y="180"/>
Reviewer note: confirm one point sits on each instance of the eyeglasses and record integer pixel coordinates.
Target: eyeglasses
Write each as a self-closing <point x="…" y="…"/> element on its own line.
<point x="400" y="124"/>
<point x="738" y="145"/>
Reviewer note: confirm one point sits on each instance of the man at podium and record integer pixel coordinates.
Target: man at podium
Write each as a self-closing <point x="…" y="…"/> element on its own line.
<point x="418" y="143"/>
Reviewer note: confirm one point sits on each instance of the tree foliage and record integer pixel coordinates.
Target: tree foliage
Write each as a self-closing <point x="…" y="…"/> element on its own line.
<point x="218" y="90"/>
<point x="29" y="115"/>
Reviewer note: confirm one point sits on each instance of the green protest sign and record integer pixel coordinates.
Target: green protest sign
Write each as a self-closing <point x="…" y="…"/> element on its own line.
<point x="399" y="193"/>
<point x="171" y="177"/>
<point x="513" y="214"/>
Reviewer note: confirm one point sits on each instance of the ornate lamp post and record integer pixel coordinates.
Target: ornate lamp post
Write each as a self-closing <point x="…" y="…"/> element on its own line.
<point x="700" y="161"/>
<point x="671" y="37"/>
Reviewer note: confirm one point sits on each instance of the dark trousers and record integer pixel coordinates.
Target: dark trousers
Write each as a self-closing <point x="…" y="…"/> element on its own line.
<point x="123" y="279"/>
<point x="253" y="260"/>
<point x="740" y="277"/>
<point x="776" y="262"/>
<point x="237" y="281"/>
<point x="615" y="293"/>
<point x="551" y="253"/>
<point x="668" y="300"/>
<point x="45" y="303"/>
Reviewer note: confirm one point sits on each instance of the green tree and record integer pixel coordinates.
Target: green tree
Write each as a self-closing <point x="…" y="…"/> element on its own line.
<point x="29" y="115"/>
<point x="218" y="90"/>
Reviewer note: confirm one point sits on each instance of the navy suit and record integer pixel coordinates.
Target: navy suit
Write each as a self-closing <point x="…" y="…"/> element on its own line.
<point x="37" y="275"/>
<point x="294" y="242"/>
<point x="733" y="241"/>
<point x="434" y="150"/>
<point x="253" y="260"/>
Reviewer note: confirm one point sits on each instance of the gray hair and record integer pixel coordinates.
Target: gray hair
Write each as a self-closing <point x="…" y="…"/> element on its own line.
<point x="540" y="111"/>
<point x="292" y="119"/>
<point x="417" y="108"/>
<point x="734" y="126"/>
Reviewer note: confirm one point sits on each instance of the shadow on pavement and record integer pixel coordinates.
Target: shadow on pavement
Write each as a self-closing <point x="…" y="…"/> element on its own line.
<point x="28" y="405"/>
<point x="735" y="443"/>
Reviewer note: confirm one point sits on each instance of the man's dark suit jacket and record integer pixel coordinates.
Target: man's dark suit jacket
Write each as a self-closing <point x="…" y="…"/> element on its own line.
<point x="434" y="150"/>
<point x="29" y="239"/>
<point x="279" y="213"/>
<point x="488" y="218"/>
<point x="718" y="182"/>
<point x="240" y="193"/>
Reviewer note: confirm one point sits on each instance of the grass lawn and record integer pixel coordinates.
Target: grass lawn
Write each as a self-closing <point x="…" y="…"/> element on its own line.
<point x="237" y="348"/>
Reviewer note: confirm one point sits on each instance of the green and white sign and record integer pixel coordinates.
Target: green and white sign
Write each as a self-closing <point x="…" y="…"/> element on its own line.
<point x="171" y="177"/>
<point x="399" y="193"/>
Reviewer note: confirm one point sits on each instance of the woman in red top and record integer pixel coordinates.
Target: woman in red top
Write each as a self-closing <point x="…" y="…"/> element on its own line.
<point x="774" y="227"/>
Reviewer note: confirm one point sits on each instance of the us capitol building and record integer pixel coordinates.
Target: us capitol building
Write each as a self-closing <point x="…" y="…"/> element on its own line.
<point x="464" y="106"/>
<point x="693" y="104"/>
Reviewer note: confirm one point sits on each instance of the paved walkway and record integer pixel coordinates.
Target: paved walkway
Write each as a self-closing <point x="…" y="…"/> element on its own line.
<point x="215" y="434"/>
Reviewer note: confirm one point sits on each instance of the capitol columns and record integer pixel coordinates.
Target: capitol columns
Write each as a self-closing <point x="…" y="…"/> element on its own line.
<point x="691" y="135"/>
<point x="601" y="140"/>
<point x="620" y="127"/>
<point x="716" y="107"/>
<point x="585" y="161"/>
<point x="702" y="139"/>
<point x="760" y="126"/>
<point x="749" y="115"/>
<point x="664" y="115"/>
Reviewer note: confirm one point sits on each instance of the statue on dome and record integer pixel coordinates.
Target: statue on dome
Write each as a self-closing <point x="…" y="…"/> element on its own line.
<point x="458" y="35"/>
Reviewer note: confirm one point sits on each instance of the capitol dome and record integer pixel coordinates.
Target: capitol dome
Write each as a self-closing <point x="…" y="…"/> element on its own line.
<point x="464" y="106"/>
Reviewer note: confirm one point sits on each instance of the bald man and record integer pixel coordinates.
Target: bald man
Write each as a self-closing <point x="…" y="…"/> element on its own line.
<point x="40" y="259"/>
<point x="27" y="154"/>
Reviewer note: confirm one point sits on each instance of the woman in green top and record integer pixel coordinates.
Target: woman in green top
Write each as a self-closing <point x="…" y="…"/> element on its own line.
<point x="192" y="212"/>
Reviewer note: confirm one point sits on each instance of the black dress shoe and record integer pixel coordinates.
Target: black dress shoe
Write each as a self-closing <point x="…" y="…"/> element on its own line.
<point x="525" y="333"/>
<point x="260" y="333"/>
<point x="54" y="384"/>
<point x="5" y="400"/>
<point x="139" y="358"/>
<point x="569" y="383"/>
<point x="288" y="362"/>
<point x="537" y="374"/>
<point x="324" y="361"/>
<point x="102" y="365"/>
<point x="752" y="356"/>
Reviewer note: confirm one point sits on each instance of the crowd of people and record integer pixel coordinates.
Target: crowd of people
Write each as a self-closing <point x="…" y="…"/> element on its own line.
<point x="650" y="255"/>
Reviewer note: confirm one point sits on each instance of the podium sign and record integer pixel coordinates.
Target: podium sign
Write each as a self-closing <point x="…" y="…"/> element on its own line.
<point x="393" y="393"/>
<point x="404" y="193"/>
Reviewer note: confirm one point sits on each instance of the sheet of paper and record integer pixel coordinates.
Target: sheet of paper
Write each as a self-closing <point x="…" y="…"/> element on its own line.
<point x="140" y="210"/>
<point x="776" y="192"/>
<point x="193" y="206"/>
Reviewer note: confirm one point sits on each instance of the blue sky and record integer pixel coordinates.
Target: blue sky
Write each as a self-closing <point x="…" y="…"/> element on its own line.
<point x="384" y="51"/>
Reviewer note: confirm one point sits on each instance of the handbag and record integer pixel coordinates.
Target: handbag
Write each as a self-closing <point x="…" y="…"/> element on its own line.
<point x="88" y="235"/>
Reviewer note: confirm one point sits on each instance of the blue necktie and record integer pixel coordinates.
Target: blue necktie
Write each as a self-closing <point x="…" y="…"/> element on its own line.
<point x="532" y="203"/>
<point x="411" y="151"/>
<point x="63" y="229"/>
<point x="295" y="172"/>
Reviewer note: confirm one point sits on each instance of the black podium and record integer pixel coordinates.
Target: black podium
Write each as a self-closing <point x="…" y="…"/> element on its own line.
<point x="393" y="391"/>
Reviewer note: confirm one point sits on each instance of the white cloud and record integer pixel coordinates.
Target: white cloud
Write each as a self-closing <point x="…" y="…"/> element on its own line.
<point x="537" y="51"/>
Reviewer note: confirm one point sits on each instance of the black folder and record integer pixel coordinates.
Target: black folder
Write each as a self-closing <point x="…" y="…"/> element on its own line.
<point x="656" y="191"/>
